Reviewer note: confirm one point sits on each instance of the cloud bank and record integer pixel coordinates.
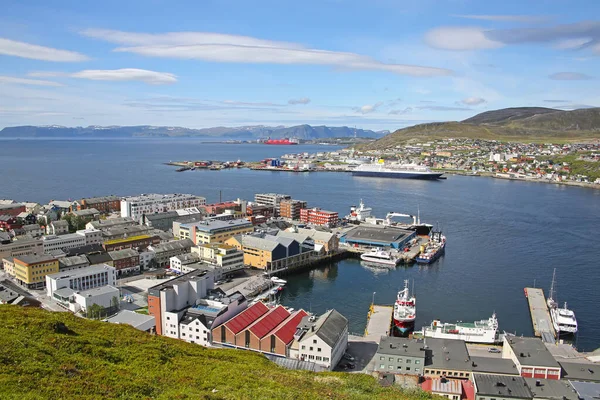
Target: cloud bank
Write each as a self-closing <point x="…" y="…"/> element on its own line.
<point x="116" y="75"/>
<point x="32" y="51"/>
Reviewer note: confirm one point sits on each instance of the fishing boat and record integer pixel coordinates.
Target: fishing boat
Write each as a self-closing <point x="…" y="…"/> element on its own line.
<point x="432" y="250"/>
<point x="405" y="312"/>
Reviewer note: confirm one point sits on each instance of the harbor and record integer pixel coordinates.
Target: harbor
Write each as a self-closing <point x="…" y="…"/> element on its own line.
<point x="540" y="317"/>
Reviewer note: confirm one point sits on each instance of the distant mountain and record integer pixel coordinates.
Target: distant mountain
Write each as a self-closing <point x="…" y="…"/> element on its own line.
<point x="522" y="124"/>
<point x="306" y="132"/>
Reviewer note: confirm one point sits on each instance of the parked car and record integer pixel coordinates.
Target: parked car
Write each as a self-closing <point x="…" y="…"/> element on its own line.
<point x="494" y="350"/>
<point x="348" y="357"/>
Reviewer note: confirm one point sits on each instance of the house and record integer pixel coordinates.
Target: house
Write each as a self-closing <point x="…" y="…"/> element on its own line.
<point x="125" y="261"/>
<point x="321" y="340"/>
<point x="34" y="230"/>
<point x="531" y="356"/>
<point x="279" y="339"/>
<point x="9" y="222"/>
<point x="59" y="227"/>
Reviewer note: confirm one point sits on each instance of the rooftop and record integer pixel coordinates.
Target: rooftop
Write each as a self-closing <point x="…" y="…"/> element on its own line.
<point x="35" y="259"/>
<point x="85" y="212"/>
<point x="501" y="386"/>
<point x="447" y="354"/>
<point x="129" y="317"/>
<point x="329" y="327"/>
<point x="494" y="365"/>
<point x="99" y="291"/>
<point x="531" y="351"/>
<point x="269" y="321"/>
<point x="190" y="276"/>
<point x="92" y="269"/>
<point x="102" y="199"/>
<point x="73" y="260"/>
<point x="58" y="223"/>
<point x="587" y="390"/>
<point x="10" y="206"/>
<point x="107" y="223"/>
<point x="375" y="234"/>
<point x="246" y="317"/>
<point x="258" y="242"/>
<point x="552" y="389"/>
<point x="285" y="331"/>
<point x="174" y="245"/>
<point x="163" y="215"/>
<point x="125" y="253"/>
<point x="161" y="197"/>
<point x="398" y="346"/>
<point x="127" y="239"/>
<point x="218" y="225"/>
<point x="581" y="371"/>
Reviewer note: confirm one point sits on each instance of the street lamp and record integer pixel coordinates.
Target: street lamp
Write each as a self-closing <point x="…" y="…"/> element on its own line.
<point x="373" y="300"/>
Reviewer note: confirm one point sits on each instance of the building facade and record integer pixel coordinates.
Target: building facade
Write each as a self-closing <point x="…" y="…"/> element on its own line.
<point x="125" y="261"/>
<point x="31" y="270"/>
<point x="164" y="251"/>
<point x="140" y="242"/>
<point x="213" y="231"/>
<point x="135" y="207"/>
<point x="271" y="199"/>
<point x="291" y="208"/>
<point x="227" y="259"/>
<point x="531" y="356"/>
<point x="104" y="204"/>
<point x="21" y="247"/>
<point x="81" y="279"/>
<point x="316" y="216"/>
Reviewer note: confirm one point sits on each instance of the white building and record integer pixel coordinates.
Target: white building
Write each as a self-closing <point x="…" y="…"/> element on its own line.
<point x="59" y="227"/>
<point x="322" y="340"/>
<point x="177" y="262"/>
<point x="81" y="279"/>
<point x="226" y="259"/>
<point x="71" y="240"/>
<point x="271" y="199"/>
<point x="139" y="321"/>
<point x="135" y="207"/>
<point x="104" y="296"/>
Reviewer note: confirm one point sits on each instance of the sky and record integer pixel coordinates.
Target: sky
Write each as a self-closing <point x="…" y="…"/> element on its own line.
<point x="381" y="64"/>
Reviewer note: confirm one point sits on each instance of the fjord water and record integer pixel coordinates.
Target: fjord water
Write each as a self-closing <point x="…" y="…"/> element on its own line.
<point x="502" y="235"/>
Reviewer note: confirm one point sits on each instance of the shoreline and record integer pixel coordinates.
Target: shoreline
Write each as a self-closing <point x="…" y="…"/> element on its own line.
<point x="589" y="185"/>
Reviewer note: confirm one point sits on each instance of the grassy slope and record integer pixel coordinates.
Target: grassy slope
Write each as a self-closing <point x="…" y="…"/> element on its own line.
<point x="101" y="360"/>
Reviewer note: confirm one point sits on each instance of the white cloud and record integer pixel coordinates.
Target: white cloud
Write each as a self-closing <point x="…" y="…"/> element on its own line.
<point x="460" y="38"/>
<point x="120" y="75"/>
<point x="506" y="18"/>
<point x="24" y="81"/>
<point x="401" y="111"/>
<point x="568" y="44"/>
<point x="27" y="50"/>
<point x="569" y="76"/>
<point x="368" y="108"/>
<point x="473" y="101"/>
<point x="302" y="100"/>
<point x="215" y="47"/>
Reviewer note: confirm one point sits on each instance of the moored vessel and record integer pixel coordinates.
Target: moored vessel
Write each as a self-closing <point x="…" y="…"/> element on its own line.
<point x="484" y="331"/>
<point x="285" y="141"/>
<point x="360" y="213"/>
<point x="563" y="319"/>
<point x="434" y="249"/>
<point x="402" y="171"/>
<point x="379" y="256"/>
<point x="405" y="312"/>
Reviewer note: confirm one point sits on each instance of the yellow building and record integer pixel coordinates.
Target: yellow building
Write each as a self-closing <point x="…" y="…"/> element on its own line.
<point x="214" y="231"/>
<point x="31" y="270"/>
<point x="271" y="254"/>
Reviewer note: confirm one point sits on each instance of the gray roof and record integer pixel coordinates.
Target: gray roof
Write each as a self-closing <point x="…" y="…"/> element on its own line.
<point x="218" y="225"/>
<point x="329" y="326"/>
<point x="33" y="259"/>
<point x="299" y="237"/>
<point x="447" y="354"/>
<point x="163" y="215"/>
<point x="130" y="318"/>
<point x="581" y="371"/>
<point x="174" y="245"/>
<point x="587" y="390"/>
<point x="125" y="253"/>
<point x="73" y="260"/>
<point x="7" y="295"/>
<point x="92" y="269"/>
<point x="60" y="222"/>
<point x="375" y="234"/>
<point x="397" y="346"/>
<point x="502" y="386"/>
<point x="190" y="276"/>
<point x="99" y="291"/>
<point x="64" y="292"/>
<point x="494" y="365"/>
<point x="102" y="199"/>
<point x="32" y="227"/>
<point x="107" y="223"/>
<point x="124" y="230"/>
<point x="259" y="243"/>
<point x="552" y="389"/>
<point x="532" y="351"/>
<point x="86" y="212"/>
<point x="10" y="206"/>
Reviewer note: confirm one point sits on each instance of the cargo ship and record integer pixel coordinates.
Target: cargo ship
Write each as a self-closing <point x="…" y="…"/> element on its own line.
<point x="484" y="331"/>
<point x="434" y="249"/>
<point x="401" y="171"/>
<point x="405" y="312"/>
<point x="284" y="141"/>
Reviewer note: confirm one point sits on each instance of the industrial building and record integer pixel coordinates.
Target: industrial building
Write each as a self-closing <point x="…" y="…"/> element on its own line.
<point x="375" y="236"/>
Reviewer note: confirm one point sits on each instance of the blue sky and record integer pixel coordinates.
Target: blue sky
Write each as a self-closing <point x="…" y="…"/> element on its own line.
<point x="381" y="64"/>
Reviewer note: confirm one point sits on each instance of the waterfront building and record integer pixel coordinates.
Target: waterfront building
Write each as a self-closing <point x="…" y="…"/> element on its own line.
<point x="271" y="199"/>
<point x="213" y="231"/>
<point x="81" y="279"/>
<point x="316" y="216"/>
<point x="164" y="251"/>
<point x="176" y="295"/>
<point x="376" y="236"/>
<point x="551" y="389"/>
<point x="252" y="335"/>
<point x="104" y="204"/>
<point x="501" y="387"/>
<point x="531" y="356"/>
<point x="270" y="253"/>
<point x="400" y="357"/>
<point x="125" y="261"/>
<point x="13" y="209"/>
<point x="136" y="206"/>
<point x="105" y="224"/>
<point x="139" y="242"/>
<point x="321" y="340"/>
<point x="56" y="228"/>
<point x="291" y="208"/>
<point x="225" y="258"/>
<point x="324" y="241"/>
<point x="227" y="333"/>
<point x="31" y="270"/>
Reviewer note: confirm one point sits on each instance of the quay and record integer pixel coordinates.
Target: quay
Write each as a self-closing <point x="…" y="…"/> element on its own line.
<point x="379" y="322"/>
<point x="540" y="317"/>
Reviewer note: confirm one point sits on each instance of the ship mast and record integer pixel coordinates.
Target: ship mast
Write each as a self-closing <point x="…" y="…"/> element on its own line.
<point x="552" y="293"/>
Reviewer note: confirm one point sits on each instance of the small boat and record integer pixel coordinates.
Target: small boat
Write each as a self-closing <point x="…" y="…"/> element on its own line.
<point x="278" y="281"/>
<point x="379" y="256"/>
<point x="433" y="250"/>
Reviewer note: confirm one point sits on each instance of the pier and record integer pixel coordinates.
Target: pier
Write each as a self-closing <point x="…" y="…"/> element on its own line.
<point x="540" y="317"/>
<point x="379" y="322"/>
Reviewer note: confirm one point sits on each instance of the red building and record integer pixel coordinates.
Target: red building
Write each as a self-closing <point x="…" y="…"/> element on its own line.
<point x="8" y="222"/>
<point x="219" y="208"/>
<point x="105" y="204"/>
<point x="228" y="332"/>
<point x="259" y="209"/>
<point x="316" y="216"/>
<point x="12" y="209"/>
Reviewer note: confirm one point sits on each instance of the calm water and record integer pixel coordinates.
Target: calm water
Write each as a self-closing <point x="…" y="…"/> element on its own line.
<point x="502" y="235"/>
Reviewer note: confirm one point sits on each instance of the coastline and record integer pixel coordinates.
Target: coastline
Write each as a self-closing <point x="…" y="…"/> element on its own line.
<point x="548" y="181"/>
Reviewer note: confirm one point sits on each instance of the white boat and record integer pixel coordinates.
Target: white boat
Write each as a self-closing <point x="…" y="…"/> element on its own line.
<point x="278" y="281"/>
<point x="360" y="213"/>
<point x="378" y="256"/>
<point x="394" y="170"/>
<point x="484" y="331"/>
<point x="405" y="312"/>
<point x="563" y="319"/>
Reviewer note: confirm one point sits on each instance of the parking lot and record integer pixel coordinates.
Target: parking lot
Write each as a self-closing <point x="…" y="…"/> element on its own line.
<point x="363" y="353"/>
<point x="483" y="350"/>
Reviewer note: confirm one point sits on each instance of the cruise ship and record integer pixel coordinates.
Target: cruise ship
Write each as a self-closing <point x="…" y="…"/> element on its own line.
<point x="405" y="312"/>
<point x="401" y="171"/>
<point x="563" y="319"/>
<point x="484" y="331"/>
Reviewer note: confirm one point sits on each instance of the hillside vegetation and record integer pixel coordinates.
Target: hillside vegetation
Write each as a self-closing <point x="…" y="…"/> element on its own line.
<point x="40" y="358"/>
<point x="524" y="124"/>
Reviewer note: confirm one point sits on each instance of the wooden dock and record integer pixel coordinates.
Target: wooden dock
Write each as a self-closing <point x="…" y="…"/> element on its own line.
<point x="379" y="322"/>
<point x="540" y="317"/>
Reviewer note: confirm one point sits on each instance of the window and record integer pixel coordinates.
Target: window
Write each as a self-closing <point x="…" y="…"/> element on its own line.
<point x="408" y="368"/>
<point x="319" y="349"/>
<point x="197" y="330"/>
<point x="314" y="341"/>
<point x="399" y="367"/>
<point x="417" y="370"/>
<point x="247" y="338"/>
<point x="183" y="334"/>
<point x="311" y="348"/>
<point x="382" y="366"/>
<point x="381" y="358"/>
<point x="391" y="359"/>
<point x="325" y="358"/>
<point x="417" y="361"/>
<point x="408" y="361"/>
<point x="223" y="334"/>
<point x="273" y="343"/>
<point x="311" y="357"/>
<point x="303" y="347"/>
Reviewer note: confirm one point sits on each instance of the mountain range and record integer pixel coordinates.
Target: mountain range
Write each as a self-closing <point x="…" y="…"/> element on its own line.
<point x="306" y="132"/>
<point x="520" y="124"/>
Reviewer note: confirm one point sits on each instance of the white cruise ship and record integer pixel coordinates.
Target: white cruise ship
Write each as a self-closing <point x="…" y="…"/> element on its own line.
<point x="402" y="171"/>
<point x="484" y="331"/>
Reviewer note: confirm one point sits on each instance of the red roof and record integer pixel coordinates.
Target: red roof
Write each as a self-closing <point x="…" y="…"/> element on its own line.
<point x="246" y="317"/>
<point x="285" y="331"/>
<point x="269" y="321"/>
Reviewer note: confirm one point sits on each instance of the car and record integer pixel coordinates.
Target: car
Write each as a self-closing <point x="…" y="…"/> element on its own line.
<point x="350" y="366"/>
<point x="494" y="350"/>
<point x="348" y="357"/>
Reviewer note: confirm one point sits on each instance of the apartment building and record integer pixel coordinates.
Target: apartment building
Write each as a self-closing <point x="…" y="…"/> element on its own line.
<point x="291" y="208"/>
<point x="21" y="247"/>
<point x="104" y="204"/>
<point x="316" y="216"/>
<point x="226" y="259"/>
<point x="31" y="270"/>
<point x="213" y="231"/>
<point x="271" y="199"/>
<point x="134" y="207"/>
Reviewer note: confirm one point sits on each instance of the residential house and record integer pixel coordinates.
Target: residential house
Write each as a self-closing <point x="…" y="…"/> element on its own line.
<point x="56" y="228"/>
<point x="125" y="261"/>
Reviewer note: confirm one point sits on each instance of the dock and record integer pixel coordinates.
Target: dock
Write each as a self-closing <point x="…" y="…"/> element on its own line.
<point x="540" y="317"/>
<point x="379" y="322"/>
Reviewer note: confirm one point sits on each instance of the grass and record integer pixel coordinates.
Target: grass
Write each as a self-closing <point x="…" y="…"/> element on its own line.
<point x="98" y="360"/>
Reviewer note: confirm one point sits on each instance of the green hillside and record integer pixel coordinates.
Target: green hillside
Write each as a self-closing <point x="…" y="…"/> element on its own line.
<point x="98" y="360"/>
<point x="524" y="124"/>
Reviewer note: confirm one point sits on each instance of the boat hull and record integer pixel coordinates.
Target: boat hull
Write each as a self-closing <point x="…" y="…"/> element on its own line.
<point x="402" y="328"/>
<point x="429" y="260"/>
<point x="387" y="263"/>
<point x="398" y="175"/>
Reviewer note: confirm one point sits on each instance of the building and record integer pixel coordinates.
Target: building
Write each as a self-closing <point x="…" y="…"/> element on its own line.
<point x="400" y="357"/>
<point x="13" y="209"/>
<point x="12" y="295"/>
<point x="220" y="208"/>
<point x="104" y="204"/>
<point x="87" y="214"/>
<point x="324" y="241"/>
<point x="168" y="301"/>
<point x="213" y="231"/>
<point x="59" y="227"/>
<point x="291" y="208"/>
<point x="226" y="259"/>
<point x="21" y="247"/>
<point x="163" y="221"/>
<point x="270" y="253"/>
<point x="106" y="297"/>
<point x="176" y="263"/>
<point x="81" y="279"/>
<point x="501" y="387"/>
<point x="145" y="323"/>
<point x="279" y="339"/>
<point x="164" y="251"/>
<point x="104" y="224"/>
<point x="586" y="372"/>
<point x="34" y="230"/>
<point x="316" y="216"/>
<point x="255" y="211"/>
<point x="271" y="199"/>
<point x="321" y="340"/>
<point x="8" y="264"/>
<point x="531" y="356"/>
<point x="71" y="240"/>
<point x="31" y="270"/>
<point x="227" y="333"/>
<point x="551" y="389"/>
<point x="199" y="320"/>
<point x="135" y="207"/>
<point x="586" y="390"/>
<point x="139" y="242"/>
<point x="72" y="263"/>
<point x="125" y="261"/>
<point x="125" y="231"/>
<point x="451" y="389"/>
<point x="62" y="206"/>
<point x="9" y="222"/>
<point x="375" y="236"/>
